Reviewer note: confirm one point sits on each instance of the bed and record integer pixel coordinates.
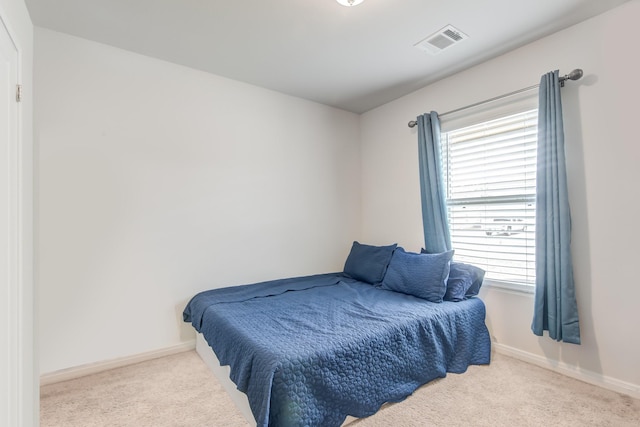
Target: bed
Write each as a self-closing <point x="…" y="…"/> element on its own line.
<point x="310" y="351"/>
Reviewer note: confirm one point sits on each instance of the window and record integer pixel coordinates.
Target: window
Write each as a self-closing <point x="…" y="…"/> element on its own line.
<point x="490" y="178"/>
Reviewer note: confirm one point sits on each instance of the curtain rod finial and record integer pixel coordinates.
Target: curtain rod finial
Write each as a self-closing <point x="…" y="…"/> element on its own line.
<point x="575" y="74"/>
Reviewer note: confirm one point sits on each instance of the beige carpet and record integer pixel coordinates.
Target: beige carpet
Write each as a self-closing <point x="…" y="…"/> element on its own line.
<point x="164" y="392"/>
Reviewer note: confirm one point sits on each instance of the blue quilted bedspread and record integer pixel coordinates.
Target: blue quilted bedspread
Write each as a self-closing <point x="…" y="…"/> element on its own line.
<point x="309" y="351"/>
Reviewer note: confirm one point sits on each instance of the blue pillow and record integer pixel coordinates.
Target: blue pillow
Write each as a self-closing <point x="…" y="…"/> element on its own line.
<point x="478" y="277"/>
<point x="421" y="275"/>
<point x="368" y="263"/>
<point x="464" y="281"/>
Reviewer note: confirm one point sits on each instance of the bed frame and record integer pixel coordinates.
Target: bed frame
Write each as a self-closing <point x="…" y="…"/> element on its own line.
<point x="222" y="374"/>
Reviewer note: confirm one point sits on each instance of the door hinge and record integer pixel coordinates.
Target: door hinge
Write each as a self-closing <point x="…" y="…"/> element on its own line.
<point x="18" y="93"/>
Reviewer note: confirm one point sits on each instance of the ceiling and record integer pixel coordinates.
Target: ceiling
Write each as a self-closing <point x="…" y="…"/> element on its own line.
<point x="353" y="58"/>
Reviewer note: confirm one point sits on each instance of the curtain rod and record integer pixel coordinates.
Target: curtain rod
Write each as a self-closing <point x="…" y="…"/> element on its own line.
<point x="574" y="75"/>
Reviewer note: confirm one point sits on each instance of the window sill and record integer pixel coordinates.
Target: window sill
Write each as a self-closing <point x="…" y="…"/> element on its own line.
<point x="510" y="286"/>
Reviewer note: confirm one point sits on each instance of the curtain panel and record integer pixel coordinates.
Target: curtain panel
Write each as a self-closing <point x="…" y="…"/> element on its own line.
<point x="434" y="210"/>
<point x="555" y="307"/>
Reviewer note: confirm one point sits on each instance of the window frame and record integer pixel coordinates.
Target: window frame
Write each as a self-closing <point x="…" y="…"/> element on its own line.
<point x="485" y="112"/>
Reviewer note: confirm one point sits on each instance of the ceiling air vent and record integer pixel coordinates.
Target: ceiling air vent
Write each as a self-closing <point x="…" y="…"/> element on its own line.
<point x="441" y="39"/>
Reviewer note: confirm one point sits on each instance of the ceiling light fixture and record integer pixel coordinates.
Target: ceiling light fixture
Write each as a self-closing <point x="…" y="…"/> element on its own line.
<point x="349" y="3"/>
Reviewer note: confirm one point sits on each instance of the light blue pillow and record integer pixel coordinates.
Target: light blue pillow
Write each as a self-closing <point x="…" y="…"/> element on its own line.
<point x="368" y="263"/>
<point x="421" y="275"/>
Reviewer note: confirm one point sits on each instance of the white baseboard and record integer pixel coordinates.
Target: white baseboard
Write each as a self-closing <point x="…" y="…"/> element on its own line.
<point x="590" y="377"/>
<point x="94" y="368"/>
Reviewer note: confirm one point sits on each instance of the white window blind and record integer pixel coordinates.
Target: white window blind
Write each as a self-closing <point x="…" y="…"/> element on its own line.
<point x="490" y="177"/>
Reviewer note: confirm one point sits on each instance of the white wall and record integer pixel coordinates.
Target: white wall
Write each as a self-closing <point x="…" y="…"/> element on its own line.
<point x="601" y="118"/>
<point x="21" y="406"/>
<point x="157" y="181"/>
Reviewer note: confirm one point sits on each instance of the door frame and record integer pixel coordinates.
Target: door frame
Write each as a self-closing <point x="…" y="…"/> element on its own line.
<point x="22" y="398"/>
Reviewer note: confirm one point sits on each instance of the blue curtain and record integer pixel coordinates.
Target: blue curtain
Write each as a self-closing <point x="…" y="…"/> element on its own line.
<point x="434" y="210"/>
<point x="555" y="308"/>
